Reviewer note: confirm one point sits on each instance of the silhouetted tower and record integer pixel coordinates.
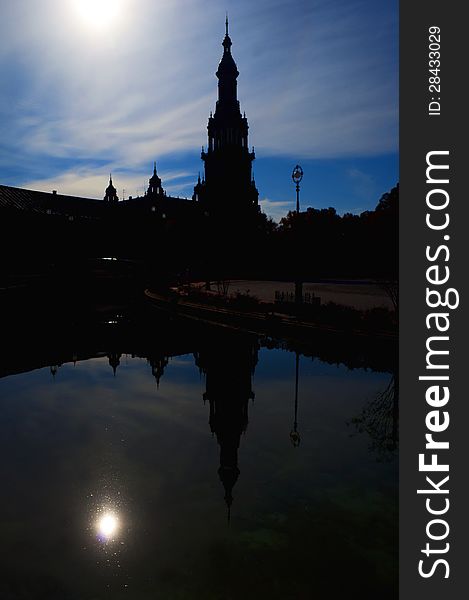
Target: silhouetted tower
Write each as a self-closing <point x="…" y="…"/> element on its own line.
<point x="155" y="188"/>
<point x="228" y="185"/>
<point x="110" y="195"/>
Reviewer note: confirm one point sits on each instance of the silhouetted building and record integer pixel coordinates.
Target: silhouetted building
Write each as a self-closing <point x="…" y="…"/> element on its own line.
<point x="228" y="185"/>
<point x="156" y="203"/>
<point x="54" y="228"/>
<point x="40" y="225"/>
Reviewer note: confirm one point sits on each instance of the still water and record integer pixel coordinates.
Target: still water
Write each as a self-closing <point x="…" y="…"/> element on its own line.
<point x="199" y="465"/>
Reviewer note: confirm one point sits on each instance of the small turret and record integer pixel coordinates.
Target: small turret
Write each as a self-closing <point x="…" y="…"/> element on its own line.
<point x="110" y="195"/>
<point x="155" y="188"/>
<point x="114" y="361"/>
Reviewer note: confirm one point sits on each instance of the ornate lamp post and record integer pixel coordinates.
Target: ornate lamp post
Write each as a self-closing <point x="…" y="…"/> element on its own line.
<point x="297" y="176"/>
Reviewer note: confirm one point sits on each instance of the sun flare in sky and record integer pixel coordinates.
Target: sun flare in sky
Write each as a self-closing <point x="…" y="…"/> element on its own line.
<point x="98" y="14"/>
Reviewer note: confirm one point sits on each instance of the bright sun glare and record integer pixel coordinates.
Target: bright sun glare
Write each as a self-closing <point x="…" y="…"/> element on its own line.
<point x="98" y="14"/>
<point x="108" y="525"/>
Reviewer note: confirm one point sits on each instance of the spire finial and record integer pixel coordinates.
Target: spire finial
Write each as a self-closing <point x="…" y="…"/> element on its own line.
<point x="226" y="41"/>
<point x="154" y="168"/>
<point x="110" y="178"/>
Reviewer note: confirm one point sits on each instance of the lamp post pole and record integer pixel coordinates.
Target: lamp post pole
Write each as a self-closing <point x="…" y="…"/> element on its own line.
<point x="297" y="176"/>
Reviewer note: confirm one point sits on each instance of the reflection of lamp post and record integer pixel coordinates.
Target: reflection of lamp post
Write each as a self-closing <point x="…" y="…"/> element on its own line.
<point x="294" y="435"/>
<point x="297" y="176"/>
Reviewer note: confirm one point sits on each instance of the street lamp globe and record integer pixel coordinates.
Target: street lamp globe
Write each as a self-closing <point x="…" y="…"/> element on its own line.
<point x="297" y="174"/>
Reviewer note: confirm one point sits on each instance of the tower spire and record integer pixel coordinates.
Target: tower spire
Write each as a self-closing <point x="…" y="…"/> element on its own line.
<point x="227" y="40"/>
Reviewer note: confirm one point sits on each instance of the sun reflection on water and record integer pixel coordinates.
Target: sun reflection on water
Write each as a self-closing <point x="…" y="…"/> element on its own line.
<point x="107" y="526"/>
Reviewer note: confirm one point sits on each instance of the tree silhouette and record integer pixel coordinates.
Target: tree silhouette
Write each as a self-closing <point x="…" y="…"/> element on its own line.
<point x="380" y="419"/>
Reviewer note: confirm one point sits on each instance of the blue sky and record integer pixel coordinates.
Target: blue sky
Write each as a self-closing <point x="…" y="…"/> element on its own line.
<point x="93" y="86"/>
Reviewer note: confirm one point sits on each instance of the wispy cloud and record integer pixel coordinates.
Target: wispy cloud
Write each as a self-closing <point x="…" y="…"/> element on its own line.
<point x="276" y="209"/>
<point x="318" y="80"/>
<point x="91" y="182"/>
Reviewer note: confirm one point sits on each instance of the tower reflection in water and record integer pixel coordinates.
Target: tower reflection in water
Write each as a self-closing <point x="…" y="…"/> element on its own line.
<point x="158" y="481"/>
<point x="229" y="364"/>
